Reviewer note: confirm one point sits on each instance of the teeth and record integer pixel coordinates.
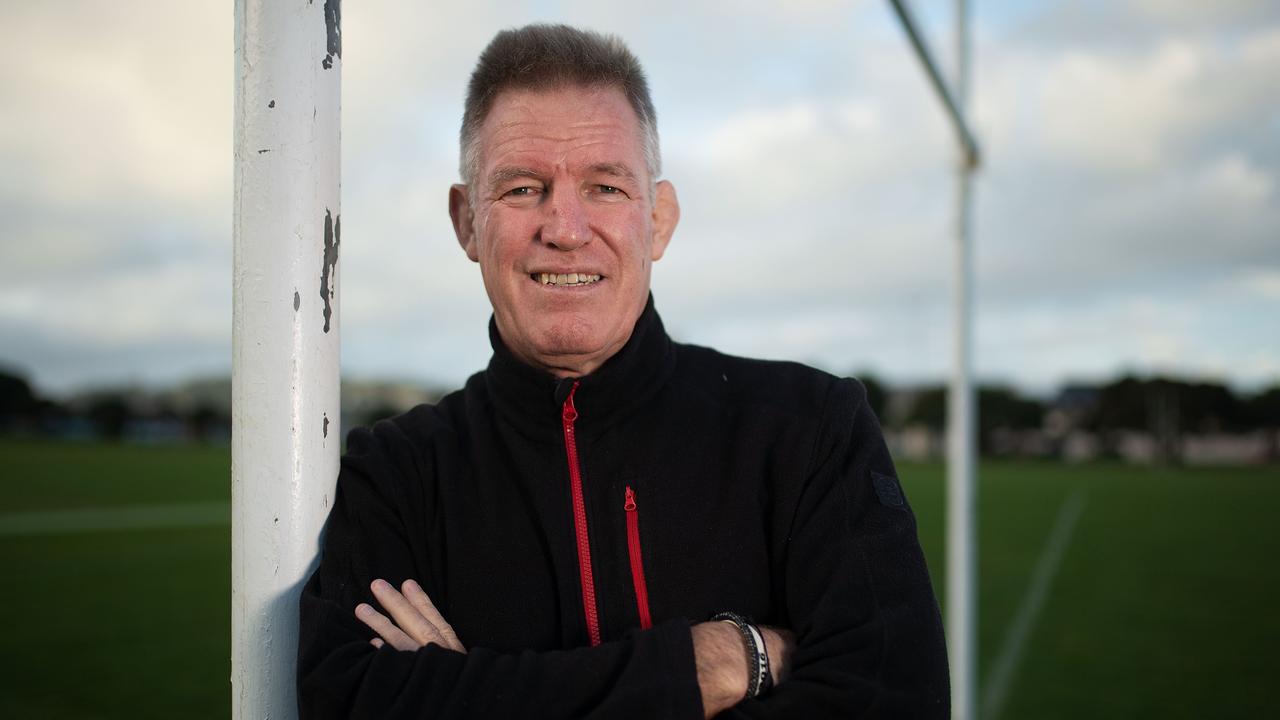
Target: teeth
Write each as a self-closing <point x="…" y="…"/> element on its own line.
<point x="567" y="279"/>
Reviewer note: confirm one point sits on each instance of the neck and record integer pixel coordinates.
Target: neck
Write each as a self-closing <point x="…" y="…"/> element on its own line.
<point x="570" y="365"/>
<point x="530" y="393"/>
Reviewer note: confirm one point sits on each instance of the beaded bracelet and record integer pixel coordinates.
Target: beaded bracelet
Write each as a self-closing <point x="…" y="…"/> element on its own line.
<point x="759" y="678"/>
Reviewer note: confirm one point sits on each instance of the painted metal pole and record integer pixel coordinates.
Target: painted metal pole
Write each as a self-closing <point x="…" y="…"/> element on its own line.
<point x="285" y="435"/>
<point x="962" y="521"/>
<point x="962" y="545"/>
<point x="954" y="111"/>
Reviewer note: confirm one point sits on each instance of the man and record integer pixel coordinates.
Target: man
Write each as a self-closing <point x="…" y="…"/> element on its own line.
<point x="554" y="539"/>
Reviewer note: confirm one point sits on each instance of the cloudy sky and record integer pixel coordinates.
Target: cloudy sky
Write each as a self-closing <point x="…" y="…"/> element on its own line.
<point x="1127" y="214"/>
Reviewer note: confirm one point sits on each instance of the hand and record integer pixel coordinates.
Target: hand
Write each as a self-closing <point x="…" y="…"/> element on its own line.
<point x="417" y="621"/>
<point x="721" y="659"/>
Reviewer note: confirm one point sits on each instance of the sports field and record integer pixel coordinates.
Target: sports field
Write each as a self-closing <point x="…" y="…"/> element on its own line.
<point x="1107" y="591"/>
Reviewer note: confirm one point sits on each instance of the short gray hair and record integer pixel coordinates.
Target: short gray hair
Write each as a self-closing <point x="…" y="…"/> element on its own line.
<point x="547" y="57"/>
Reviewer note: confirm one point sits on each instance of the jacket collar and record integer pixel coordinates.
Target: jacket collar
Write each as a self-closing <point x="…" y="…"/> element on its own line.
<point x="531" y="399"/>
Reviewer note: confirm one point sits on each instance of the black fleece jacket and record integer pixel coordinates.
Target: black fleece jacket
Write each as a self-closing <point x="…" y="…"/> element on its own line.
<point x="707" y="483"/>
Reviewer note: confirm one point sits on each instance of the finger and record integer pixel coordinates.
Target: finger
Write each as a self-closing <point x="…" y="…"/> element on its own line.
<point x="385" y="628"/>
<point x="406" y="616"/>
<point x="377" y="642"/>
<point x="420" y="600"/>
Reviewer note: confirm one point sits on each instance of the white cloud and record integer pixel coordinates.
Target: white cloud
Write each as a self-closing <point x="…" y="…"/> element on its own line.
<point x="1261" y="284"/>
<point x="1131" y="109"/>
<point x="178" y="302"/>
<point x="1237" y="182"/>
<point x="1198" y="13"/>
<point x="1117" y="114"/>
<point x="115" y="110"/>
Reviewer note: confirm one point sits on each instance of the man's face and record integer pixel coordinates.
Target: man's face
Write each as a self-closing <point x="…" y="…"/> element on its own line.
<point x="564" y="223"/>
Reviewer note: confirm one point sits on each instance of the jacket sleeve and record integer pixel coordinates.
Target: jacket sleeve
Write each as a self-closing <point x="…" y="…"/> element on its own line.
<point x="869" y="640"/>
<point x="375" y="514"/>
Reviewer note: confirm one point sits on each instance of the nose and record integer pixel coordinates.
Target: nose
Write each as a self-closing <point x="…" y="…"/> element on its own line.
<point x="564" y="224"/>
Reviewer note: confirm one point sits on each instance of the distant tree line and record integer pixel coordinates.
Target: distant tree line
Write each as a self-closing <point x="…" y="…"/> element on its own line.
<point x="199" y="412"/>
<point x="1127" y="403"/>
<point x="1165" y="409"/>
<point x="194" y="411"/>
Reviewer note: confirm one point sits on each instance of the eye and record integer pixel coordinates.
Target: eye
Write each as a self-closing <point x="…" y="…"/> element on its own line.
<point x="610" y="192"/>
<point x="522" y="196"/>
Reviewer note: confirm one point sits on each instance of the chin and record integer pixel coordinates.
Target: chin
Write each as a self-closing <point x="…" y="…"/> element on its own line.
<point x="574" y="338"/>
<point x="568" y="341"/>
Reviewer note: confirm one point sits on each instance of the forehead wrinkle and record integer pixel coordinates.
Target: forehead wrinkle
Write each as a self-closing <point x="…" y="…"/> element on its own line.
<point x="517" y="146"/>
<point x="516" y="163"/>
<point x="597" y="135"/>
<point x="540" y="127"/>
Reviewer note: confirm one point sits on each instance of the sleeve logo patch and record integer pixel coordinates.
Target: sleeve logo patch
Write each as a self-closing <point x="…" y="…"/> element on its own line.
<point x="888" y="490"/>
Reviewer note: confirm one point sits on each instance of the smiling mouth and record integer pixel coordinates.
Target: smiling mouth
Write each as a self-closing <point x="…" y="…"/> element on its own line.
<point x="565" y="279"/>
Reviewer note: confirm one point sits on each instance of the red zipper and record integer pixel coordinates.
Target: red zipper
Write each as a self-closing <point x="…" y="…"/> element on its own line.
<point x="569" y="414"/>
<point x="637" y="559"/>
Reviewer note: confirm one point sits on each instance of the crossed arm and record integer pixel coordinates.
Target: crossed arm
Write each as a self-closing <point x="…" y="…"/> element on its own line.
<point x="720" y="654"/>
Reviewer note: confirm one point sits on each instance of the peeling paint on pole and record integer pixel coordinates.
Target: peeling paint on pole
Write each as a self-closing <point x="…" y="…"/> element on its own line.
<point x="285" y="360"/>
<point x="333" y="32"/>
<point x="329" y="263"/>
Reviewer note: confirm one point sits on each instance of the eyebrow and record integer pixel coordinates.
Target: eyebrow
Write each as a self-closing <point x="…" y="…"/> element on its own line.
<point x="614" y="169"/>
<point x="504" y="175"/>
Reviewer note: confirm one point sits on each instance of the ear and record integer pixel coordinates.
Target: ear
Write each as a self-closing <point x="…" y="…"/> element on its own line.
<point x="666" y="215"/>
<point x="463" y="220"/>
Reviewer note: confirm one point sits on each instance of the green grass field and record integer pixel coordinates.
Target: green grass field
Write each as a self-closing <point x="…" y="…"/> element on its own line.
<point x="1162" y="605"/>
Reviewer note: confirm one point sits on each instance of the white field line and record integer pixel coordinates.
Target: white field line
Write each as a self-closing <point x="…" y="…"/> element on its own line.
<point x="129" y="517"/>
<point x="996" y="689"/>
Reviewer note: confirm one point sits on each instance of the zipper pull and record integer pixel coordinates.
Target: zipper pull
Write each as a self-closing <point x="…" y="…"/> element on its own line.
<point x="569" y="412"/>
<point x="630" y="504"/>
